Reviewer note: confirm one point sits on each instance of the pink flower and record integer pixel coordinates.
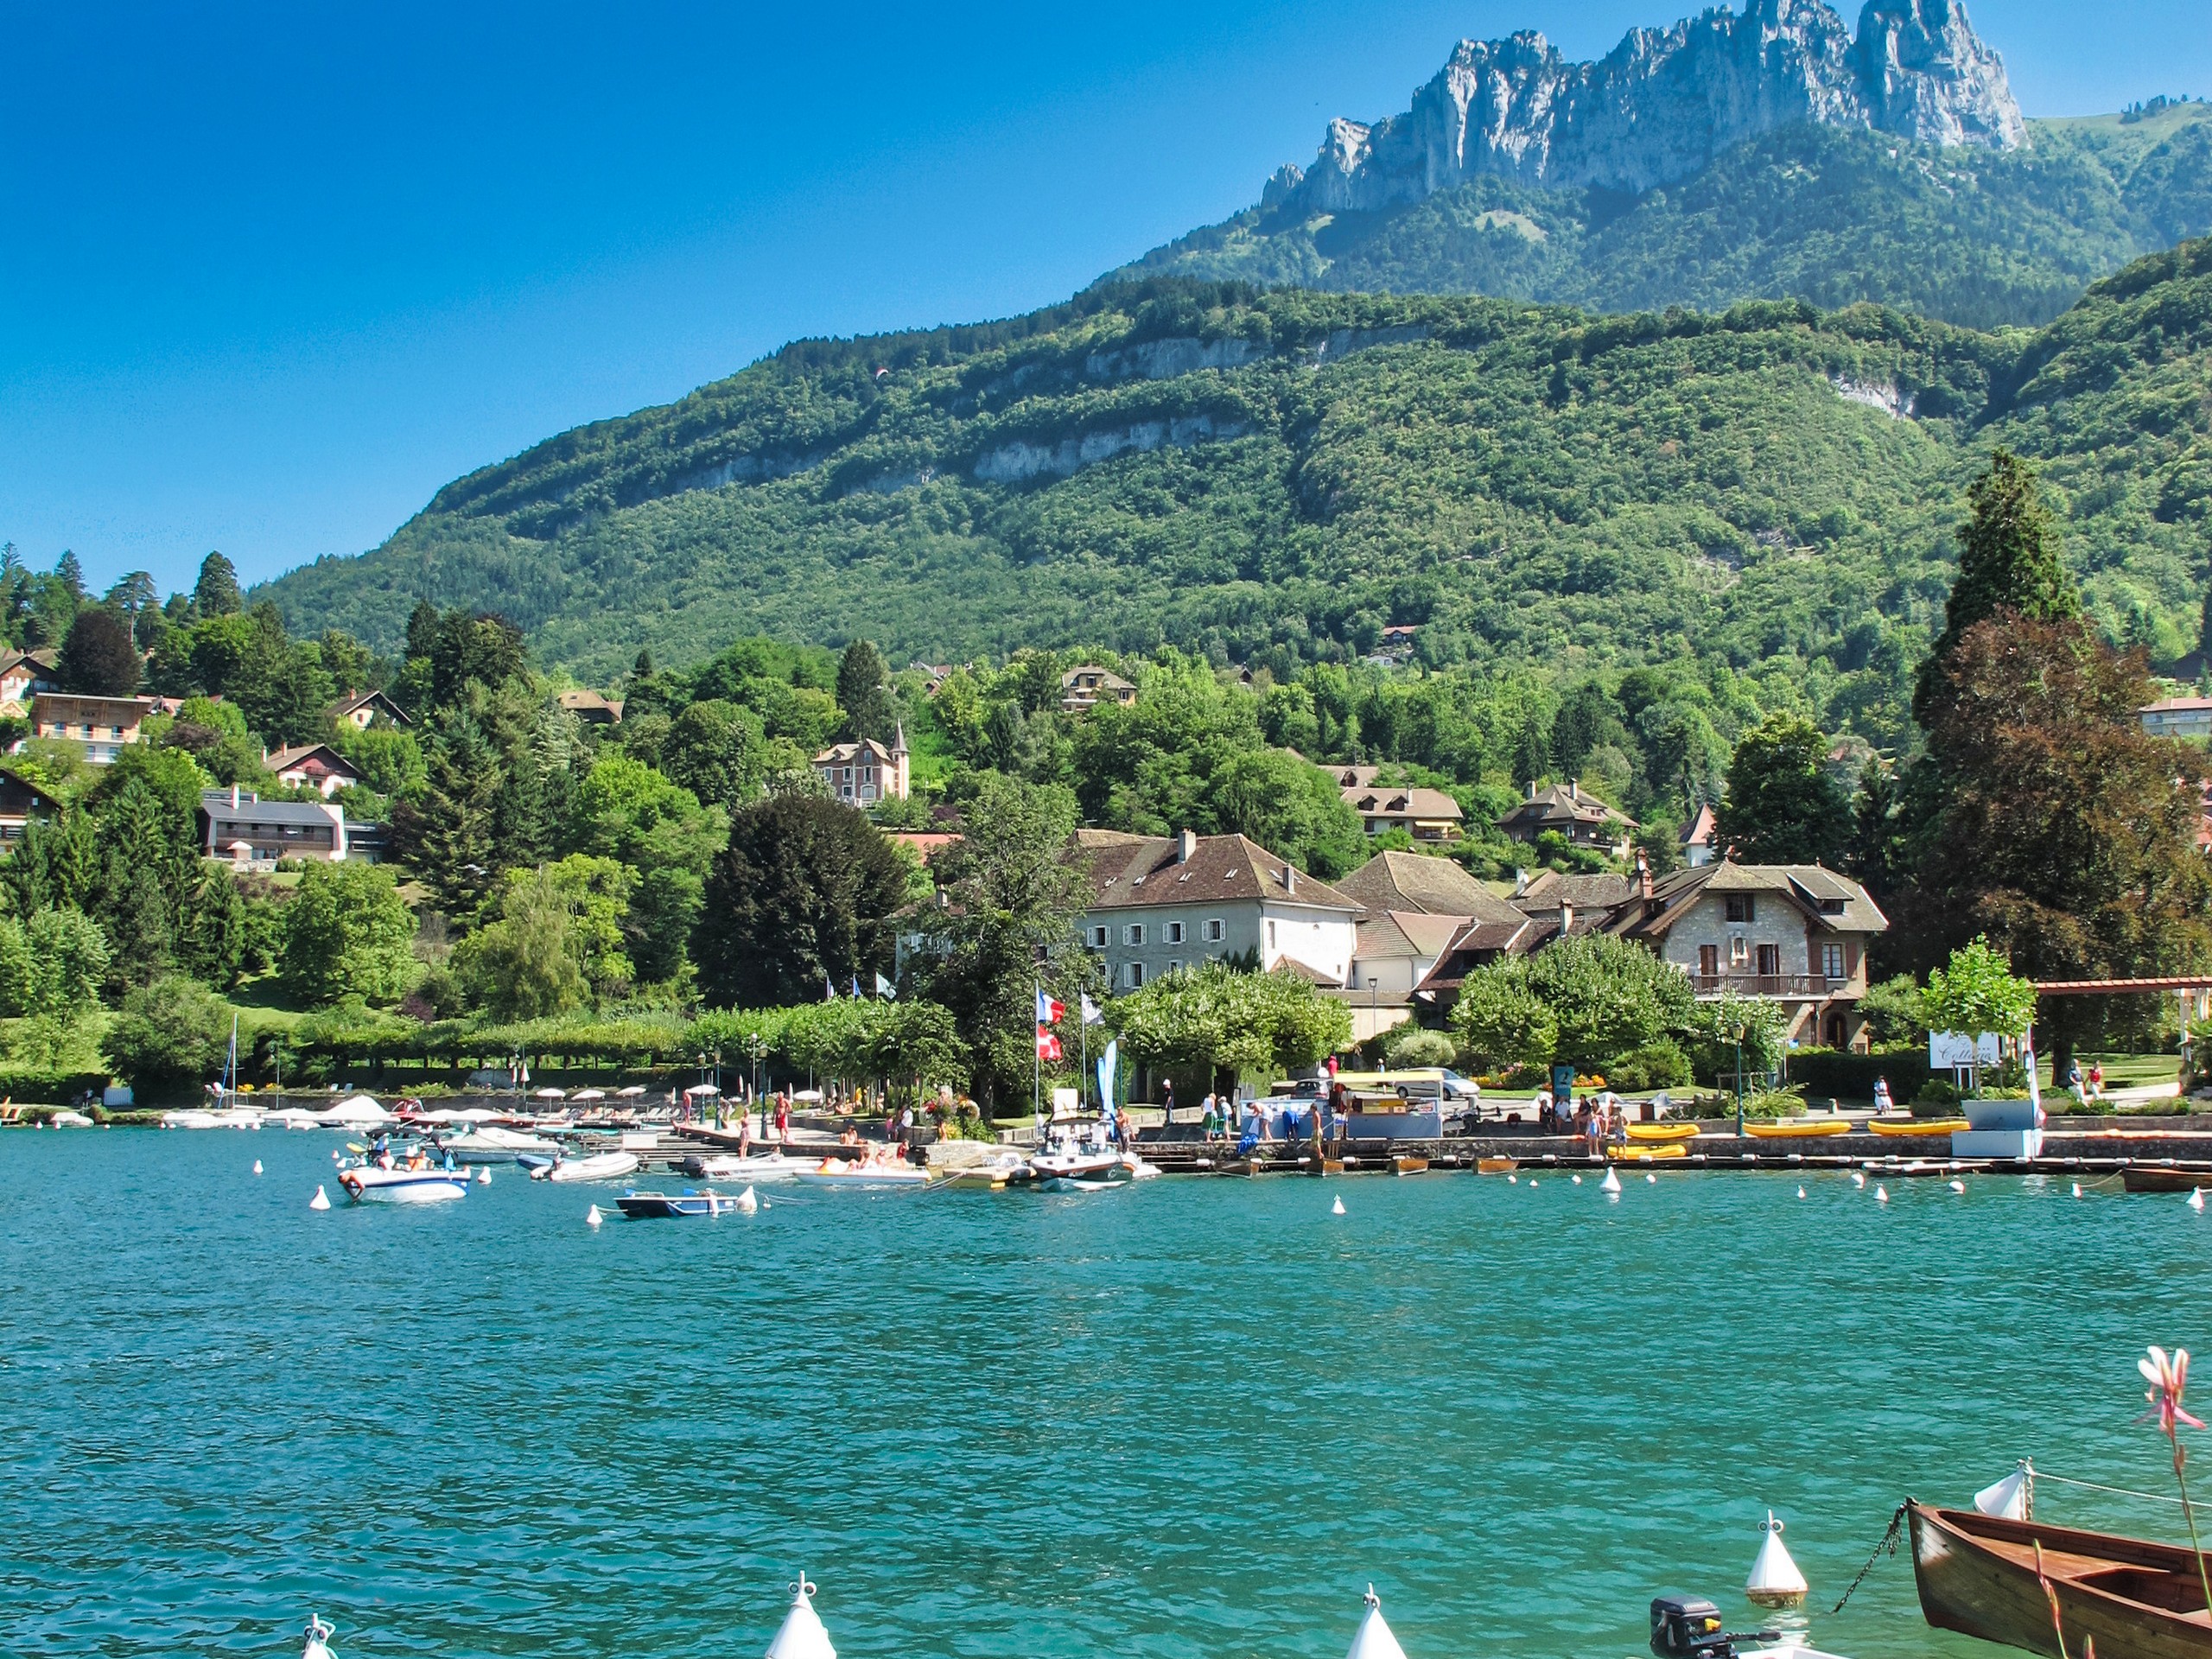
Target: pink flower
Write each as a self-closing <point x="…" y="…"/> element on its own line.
<point x="2167" y="1379"/>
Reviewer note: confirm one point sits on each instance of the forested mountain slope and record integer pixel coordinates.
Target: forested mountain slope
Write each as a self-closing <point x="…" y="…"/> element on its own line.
<point x="1836" y="215"/>
<point x="1279" y="474"/>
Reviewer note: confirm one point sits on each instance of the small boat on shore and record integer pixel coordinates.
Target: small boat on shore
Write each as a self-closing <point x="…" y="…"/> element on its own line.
<point x="1497" y="1166"/>
<point x="2164" y="1177"/>
<point x="1901" y="1126"/>
<point x="1408" y="1163"/>
<point x="489" y="1144"/>
<point x="1798" y="1128"/>
<point x="1667" y="1151"/>
<point x="670" y="1207"/>
<point x="1979" y="1575"/>
<point x="371" y="1184"/>
<point x="1661" y="1134"/>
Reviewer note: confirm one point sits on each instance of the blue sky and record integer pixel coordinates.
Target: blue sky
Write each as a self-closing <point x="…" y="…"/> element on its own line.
<point x="272" y="274"/>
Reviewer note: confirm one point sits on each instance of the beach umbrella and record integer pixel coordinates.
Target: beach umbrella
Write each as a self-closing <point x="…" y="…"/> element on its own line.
<point x="590" y="1094"/>
<point x="550" y="1094"/>
<point x="631" y="1093"/>
<point x="703" y="1089"/>
<point x="806" y="1094"/>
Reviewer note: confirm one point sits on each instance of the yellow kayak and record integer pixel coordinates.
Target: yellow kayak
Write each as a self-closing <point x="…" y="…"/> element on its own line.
<point x="1653" y="1155"/>
<point x="1917" y="1126"/>
<point x="1661" y="1132"/>
<point x="1798" y="1129"/>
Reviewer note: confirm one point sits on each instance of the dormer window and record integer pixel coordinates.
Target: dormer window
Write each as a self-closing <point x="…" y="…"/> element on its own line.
<point x="1740" y="908"/>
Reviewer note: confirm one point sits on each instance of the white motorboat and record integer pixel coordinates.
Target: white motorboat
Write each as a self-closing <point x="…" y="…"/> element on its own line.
<point x="762" y="1167"/>
<point x="1076" y="1161"/>
<point x="593" y="1167"/>
<point x="490" y="1145"/>
<point x="228" y="1117"/>
<point x="371" y="1184"/>
<point x="291" y="1117"/>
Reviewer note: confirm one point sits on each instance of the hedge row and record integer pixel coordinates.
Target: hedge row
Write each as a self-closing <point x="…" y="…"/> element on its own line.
<point x="1846" y="1076"/>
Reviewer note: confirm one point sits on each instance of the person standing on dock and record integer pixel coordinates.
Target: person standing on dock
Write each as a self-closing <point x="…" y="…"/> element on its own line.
<point x="1883" y="1104"/>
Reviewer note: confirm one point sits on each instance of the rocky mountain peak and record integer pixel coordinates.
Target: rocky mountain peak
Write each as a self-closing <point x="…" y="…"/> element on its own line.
<point x="1664" y="102"/>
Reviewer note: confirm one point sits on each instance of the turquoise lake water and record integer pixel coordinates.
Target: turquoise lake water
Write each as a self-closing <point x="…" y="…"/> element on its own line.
<point x="1196" y="1418"/>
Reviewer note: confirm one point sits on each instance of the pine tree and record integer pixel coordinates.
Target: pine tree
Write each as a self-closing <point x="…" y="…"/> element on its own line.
<point x="2009" y="560"/>
<point x="422" y="629"/>
<point x="864" y="693"/>
<point x="71" y="575"/>
<point x="446" y="833"/>
<point x="216" y="592"/>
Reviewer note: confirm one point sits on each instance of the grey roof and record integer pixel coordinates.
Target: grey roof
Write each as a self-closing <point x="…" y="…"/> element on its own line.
<point x="216" y="802"/>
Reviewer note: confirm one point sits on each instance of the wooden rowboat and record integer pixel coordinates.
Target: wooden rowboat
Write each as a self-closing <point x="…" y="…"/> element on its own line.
<point x="2164" y="1177"/>
<point x="1497" y="1166"/>
<point x="1917" y="1125"/>
<point x="1802" y="1129"/>
<point x="1408" y="1163"/>
<point x="1662" y="1133"/>
<point x="1976" y="1574"/>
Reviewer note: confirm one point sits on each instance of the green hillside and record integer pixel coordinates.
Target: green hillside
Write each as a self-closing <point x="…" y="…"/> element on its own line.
<point x="1275" y="476"/>
<point x="1830" y="214"/>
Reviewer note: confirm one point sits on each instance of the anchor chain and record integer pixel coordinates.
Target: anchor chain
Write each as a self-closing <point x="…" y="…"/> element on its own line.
<point x="1887" y="1547"/>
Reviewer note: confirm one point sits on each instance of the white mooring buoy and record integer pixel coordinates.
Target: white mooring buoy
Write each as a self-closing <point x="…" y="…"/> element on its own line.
<point x="802" y="1636"/>
<point x="1373" y="1639"/>
<point x="1958" y="1186"/>
<point x="1858" y="1178"/>
<point x="321" y="1201"/>
<point x="1611" y="1183"/>
<point x="2196" y="1197"/>
<point x="318" y="1632"/>
<point x="591" y="1216"/>
<point x="1513" y="1181"/>
<point x="1532" y="1183"/>
<point x="1881" y="1195"/>
<point x="1775" y="1580"/>
<point x="745" y="1202"/>
<point x="2008" y="1497"/>
<point x="1338" y="1208"/>
<point x="2077" y="1189"/>
<point x="257" y="1166"/>
<point x="484" y="1175"/>
<point x="1650" y="1179"/>
<point x="1800" y="1191"/>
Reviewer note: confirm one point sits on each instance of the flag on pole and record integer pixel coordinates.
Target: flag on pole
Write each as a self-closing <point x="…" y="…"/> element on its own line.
<point x="1109" y="1063"/>
<point x="828" y="990"/>
<point x="1092" y="1014"/>
<point x="1048" y="1045"/>
<point x="885" y="988"/>
<point x="1049" y="1010"/>
<point x="856" y="988"/>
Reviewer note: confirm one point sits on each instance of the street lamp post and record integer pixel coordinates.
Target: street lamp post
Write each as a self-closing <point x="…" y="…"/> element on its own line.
<point x="1739" y="1080"/>
<point x="1374" y="1014"/>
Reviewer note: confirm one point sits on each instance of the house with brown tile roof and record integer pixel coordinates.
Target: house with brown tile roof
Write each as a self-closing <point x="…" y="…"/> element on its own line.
<point x="1700" y="841"/>
<point x="1083" y="689"/>
<point x="1796" y="934"/>
<point x="864" y="772"/>
<point x="23" y="674"/>
<point x="1584" y="820"/>
<point x="361" y="709"/>
<point x="101" y="725"/>
<point x="1159" y="903"/>
<point x="1427" y="815"/>
<point x="1401" y="880"/>
<point x="592" y="707"/>
<point x="312" y="766"/>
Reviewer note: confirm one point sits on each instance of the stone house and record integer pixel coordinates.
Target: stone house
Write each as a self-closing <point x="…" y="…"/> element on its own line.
<point x="1159" y="903"/>
<point x="1796" y="934"/>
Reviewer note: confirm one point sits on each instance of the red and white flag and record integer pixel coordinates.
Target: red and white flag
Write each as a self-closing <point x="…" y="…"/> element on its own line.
<point x="1048" y="1009"/>
<point x="1048" y="1045"/>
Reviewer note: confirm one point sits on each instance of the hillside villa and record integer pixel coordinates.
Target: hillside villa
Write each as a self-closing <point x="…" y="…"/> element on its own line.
<point x="1584" y="820"/>
<point x="101" y="725"/>
<point x="1427" y="815"/>
<point x="2177" y="717"/>
<point x="23" y="674"/>
<point x="20" y="803"/>
<point x="1083" y="689"/>
<point x="362" y="709"/>
<point x="251" y="834"/>
<point x="864" y="772"/>
<point x="312" y="766"/>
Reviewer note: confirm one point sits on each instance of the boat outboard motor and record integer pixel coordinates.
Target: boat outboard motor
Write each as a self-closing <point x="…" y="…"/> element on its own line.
<point x="1689" y="1627"/>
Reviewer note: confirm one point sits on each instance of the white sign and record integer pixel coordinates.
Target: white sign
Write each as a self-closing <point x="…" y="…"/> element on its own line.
<point x="1955" y="1048"/>
<point x="1064" y="1102"/>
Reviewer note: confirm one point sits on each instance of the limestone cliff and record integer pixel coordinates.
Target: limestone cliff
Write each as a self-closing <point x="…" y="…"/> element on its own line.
<point x="1665" y="102"/>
